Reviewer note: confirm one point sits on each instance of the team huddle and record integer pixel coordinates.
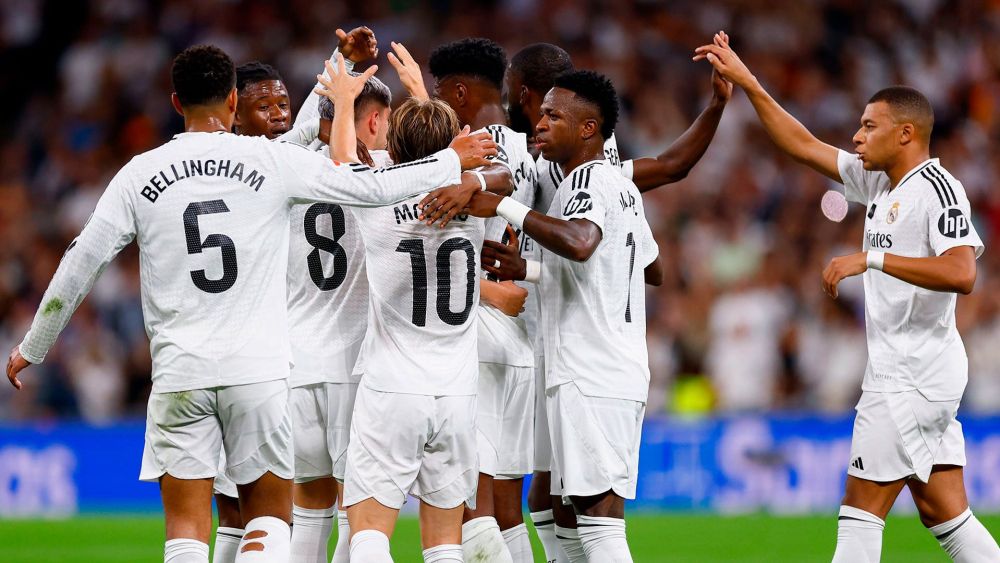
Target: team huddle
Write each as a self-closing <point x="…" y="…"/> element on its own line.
<point x="364" y="303"/>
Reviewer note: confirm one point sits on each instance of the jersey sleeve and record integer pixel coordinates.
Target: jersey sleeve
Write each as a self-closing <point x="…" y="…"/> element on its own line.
<point x="647" y="250"/>
<point x="302" y="134"/>
<point x="109" y="229"/>
<point x="309" y="176"/>
<point x="581" y="196"/>
<point x="949" y="217"/>
<point x="860" y="185"/>
<point x="309" y="111"/>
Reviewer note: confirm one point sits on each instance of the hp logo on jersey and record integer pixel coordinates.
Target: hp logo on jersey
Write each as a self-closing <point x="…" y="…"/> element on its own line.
<point x="581" y="203"/>
<point x="953" y="223"/>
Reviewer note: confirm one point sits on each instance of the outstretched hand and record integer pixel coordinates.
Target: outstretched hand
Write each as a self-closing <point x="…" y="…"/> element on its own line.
<point x="358" y="45"/>
<point x="409" y="71"/>
<point x="16" y="363"/>
<point x="341" y="86"/>
<point x="725" y="61"/>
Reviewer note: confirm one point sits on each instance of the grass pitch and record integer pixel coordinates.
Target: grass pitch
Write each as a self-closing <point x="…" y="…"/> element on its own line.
<point x="653" y="538"/>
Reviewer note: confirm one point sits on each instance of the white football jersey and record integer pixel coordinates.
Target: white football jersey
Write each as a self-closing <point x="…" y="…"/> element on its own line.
<point x="424" y="288"/>
<point x="503" y="339"/>
<point x="548" y="176"/>
<point x="594" y="312"/>
<point x="210" y="212"/>
<point x="913" y="342"/>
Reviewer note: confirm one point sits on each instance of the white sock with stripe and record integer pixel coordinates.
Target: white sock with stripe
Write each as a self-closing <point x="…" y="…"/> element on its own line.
<point x="966" y="539"/>
<point x="342" y="552"/>
<point x="569" y="540"/>
<point x="311" y="533"/>
<point x="545" y="527"/>
<point x="227" y="540"/>
<point x="518" y="543"/>
<point x="859" y="536"/>
<point x="603" y="539"/>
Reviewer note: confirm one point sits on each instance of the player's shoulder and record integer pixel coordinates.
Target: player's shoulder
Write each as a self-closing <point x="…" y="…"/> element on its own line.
<point x="940" y="189"/>
<point x="590" y="175"/>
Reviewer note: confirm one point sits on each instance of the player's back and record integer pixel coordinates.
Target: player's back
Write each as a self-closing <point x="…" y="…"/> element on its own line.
<point x="211" y="222"/>
<point x="594" y="311"/>
<point x="424" y="289"/>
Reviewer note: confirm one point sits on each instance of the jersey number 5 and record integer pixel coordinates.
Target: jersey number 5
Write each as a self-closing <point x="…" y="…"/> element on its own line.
<point x="195" y="245"/>
<point x="418" y="263"/>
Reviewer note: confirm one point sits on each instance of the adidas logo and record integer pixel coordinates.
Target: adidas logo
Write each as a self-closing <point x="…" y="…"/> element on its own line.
<point x="858" y="464"/>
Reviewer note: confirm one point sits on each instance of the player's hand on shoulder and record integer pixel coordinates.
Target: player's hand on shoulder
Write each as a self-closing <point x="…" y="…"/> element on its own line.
<point x="473" y="150"/>
<point x="409" y="71"/>
<point x="358" y="45"/>
<point x="504" y="260"/>
<point x="842" y="267"/>
<point x="725" y="61"/>
<point x="444" y="204"/>
<point x="16" y="363"/>
<point x="506" y="296"/>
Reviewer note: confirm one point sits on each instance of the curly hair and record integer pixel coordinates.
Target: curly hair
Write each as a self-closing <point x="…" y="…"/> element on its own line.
<point x="594" y="88"/>
<point x="420" y="128"/>
<point x="254" y="72"/>
<point x="203" y="74"/>
<point x="478" y="57"/>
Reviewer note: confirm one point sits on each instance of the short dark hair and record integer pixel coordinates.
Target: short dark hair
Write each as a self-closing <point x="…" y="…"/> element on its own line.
<point x="203" y="74"/>
<point x="539" y="63"/>
<point x="374" y="92"/>
<point x="596" y="89"/>
<point x="420" y="128"/>
<point x="909" y="106"/>
<point x="479" y="57"/>
<point x="254" y="72"/>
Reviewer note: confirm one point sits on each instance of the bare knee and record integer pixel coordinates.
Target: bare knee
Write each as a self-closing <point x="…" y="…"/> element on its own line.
<point x="229" y="511"/>
<point x="606" y="504"/>
<point x="539" y="493"/>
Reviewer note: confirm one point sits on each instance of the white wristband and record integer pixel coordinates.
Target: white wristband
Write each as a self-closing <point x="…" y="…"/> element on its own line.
<point x="532" y="271"/>
<point x="628" y="168"/>
<point x="875" y="259"/>
<point x="482" y="179"/>
<point x="513" y="211"/>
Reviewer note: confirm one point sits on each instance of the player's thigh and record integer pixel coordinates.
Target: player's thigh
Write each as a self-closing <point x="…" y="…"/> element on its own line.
<point x="257" y="431"/>
<point x="875" y="497"/>
<point x="308" y="408"/>
<point x="449" y="470"/>
<point x="507" y="502"/>
<point x="187" y="507"/>
<point x="370" y="514"/>
<point x="942" y="497"/>
<point x="183" y="436"/>
<point x="439" y="526"/>
<point x="386" y="449"/>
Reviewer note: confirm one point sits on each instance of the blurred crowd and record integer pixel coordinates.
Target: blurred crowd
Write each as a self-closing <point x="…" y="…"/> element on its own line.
<point x="741" y="323"/>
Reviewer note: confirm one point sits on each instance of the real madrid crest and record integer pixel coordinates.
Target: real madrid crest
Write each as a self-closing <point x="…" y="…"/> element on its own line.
<point x="893" y="213"/>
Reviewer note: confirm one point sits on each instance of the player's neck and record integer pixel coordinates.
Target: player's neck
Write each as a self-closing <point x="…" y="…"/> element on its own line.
<point x="904" y="165"/>
<point x="207" y="121"/>
<point x="488" y="114"/>
<point x="590" y="152"/>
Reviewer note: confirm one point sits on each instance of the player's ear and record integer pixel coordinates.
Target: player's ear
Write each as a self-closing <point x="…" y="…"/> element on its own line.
<point x="907" y="133"/>
<point x="588" y="128"/>
<point x="232" y="100"/>
<point x="461" y="93"/>
<point x="373" y="118"/>
<point x="176" y="102"/>
<point x="522" y="95"/>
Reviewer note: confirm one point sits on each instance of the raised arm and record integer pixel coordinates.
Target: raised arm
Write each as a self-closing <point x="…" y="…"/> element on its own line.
<point x="676" y="162"/>
<point x="356" y="46"/>
<point x="787" y="132"/>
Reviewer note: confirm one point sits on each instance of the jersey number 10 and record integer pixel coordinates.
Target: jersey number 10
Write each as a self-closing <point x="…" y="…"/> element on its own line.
<point x="418" y="263"/>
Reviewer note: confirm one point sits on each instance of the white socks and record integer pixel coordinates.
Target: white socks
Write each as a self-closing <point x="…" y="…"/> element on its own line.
<point x="443" y="553"/>
<point x="966" y="540"/>
<point x="482" y="541"/>
<point x="859" y="536"/>
<point x="227" y="540"/>
<point x="342" y="552"/>
<point x="310" y="533"/>
<point x="545" y="527"/>
<point x="569" y="540"/>
<point x="518" y="544"/>
<point x="603" y="539"/>
<point x="267" y="540"/>
<point x="184" y="550"/>
<point x="370" y="546"/>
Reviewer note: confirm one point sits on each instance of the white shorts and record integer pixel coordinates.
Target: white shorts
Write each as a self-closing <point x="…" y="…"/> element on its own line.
<point x="595" y="443"/>
<point x="417" y="444"/>
<point x="504" y="420"/>
<point x="223" y="485"/>
<point x="542" y="441"/>
<point x="186" y="431"/>
<point x="321" y="424"/>
<point x="900" y="435"/>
